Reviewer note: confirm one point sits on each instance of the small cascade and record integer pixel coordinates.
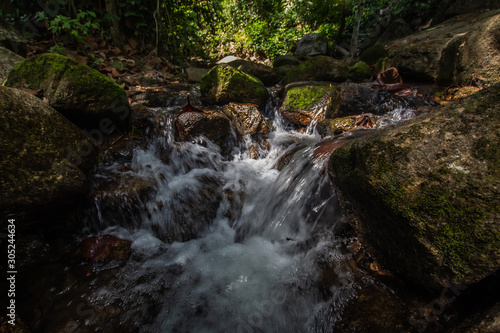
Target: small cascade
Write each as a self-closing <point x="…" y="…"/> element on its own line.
<point x="225" y="244"/>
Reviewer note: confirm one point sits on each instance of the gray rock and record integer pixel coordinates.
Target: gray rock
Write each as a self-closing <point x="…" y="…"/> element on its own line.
<point x="12" y="39"/>
<point x="312" y="44"/>
<point x="195" y="74"/>
<point x="8" y="60"/>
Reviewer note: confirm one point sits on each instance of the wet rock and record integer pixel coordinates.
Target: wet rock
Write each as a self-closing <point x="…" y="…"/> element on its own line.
<point x="320" y="68"/>
<point x="123" y="191"/>
<point x="312" y="44"/>
<point x="247" y="119"/>
<point x="44" y="156"/>
<point x="306" y="101"/>
<point x="144" y="121"/>
<point x="266" y="74"/>
<point x="104" y="247"/>
<point x="337" y="126"/>
<point x="214" y="125"/>
<point x="354" y="99"/>
<point x="464" y="92"/>
<point x="79" y="92"/>
<point x="360" y="72"/>
<point x="225" y="84"/>
<point x="8" y="60"/>
<point x="425" y="194"/>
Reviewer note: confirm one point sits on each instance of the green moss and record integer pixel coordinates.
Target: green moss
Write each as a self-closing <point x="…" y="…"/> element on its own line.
<point x="372" y="54"/>
<point x="360" y="71"/>
<point x="224" y="84"/>
<point x="318" y="69"/>
<point x="68" y="84"/>
<point x="305" y="97"/>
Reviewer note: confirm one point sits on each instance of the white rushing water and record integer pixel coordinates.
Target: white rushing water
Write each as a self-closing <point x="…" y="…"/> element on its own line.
<point x="262" y="239"/>
<point x="257" y="267"/>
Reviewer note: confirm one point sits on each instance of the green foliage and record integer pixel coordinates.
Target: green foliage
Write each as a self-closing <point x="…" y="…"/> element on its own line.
<point x="74" y="28"/>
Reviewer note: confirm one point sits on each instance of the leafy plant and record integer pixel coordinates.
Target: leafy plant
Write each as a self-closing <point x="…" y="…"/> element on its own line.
<point x="76" y="28"/>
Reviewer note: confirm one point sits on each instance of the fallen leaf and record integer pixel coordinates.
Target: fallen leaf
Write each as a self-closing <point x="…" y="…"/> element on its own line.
<point x="132" y="42"/>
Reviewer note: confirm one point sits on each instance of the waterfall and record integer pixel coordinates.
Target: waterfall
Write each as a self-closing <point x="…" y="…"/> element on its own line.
<point x="227" y="244"/>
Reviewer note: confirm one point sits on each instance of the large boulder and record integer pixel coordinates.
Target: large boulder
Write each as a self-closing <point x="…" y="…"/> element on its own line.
<point x="8" y="60"/>
<point x="44" y="156"/>
<point x="266" y="74"/>
<point x="426" y="194"/>
<point x="312" y="44"/>
<point x="225" y="84"/>
<point x="305" y="102"/>
<point x="79" y="92"/>
<point x="451" y="8"/>
<point x="320" y="68"/>
<point x="458" y="50"/>
<point x="480" y="56"/>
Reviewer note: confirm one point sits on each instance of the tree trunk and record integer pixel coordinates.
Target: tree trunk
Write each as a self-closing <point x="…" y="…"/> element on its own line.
<point x="116" y="35"/>
<point x="355" y="33"/>
<point x="340" y="32"/>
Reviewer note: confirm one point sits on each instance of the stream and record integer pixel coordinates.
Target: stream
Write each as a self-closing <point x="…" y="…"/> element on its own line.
<point x="257" y="246"/>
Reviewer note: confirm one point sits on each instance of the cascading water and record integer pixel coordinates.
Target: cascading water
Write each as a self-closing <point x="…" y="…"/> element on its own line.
<point x="226" y="245"/>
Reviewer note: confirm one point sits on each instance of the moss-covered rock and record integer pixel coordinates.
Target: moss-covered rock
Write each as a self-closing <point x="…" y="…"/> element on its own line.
<point x="79" y="92"/>
<point x="266" y="74"/>
<point x="373" y="54"/>
<point x="304" y="102"/>
<point x="425" y="194"/>
<point x="360" y="71"/>
<point x="320" y="68"/>
<point x="44" y="156"/>
<point x="225" y="84"/>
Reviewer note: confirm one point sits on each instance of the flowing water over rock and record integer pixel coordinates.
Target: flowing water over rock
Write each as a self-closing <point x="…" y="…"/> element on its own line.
<point x="221" y="244"/>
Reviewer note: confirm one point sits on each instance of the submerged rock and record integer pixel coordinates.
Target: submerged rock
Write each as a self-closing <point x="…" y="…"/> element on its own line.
<point x="306" y="101"/>
<point x="425" y="194"/>
<point x="44" y="155"/>
<point x="320" y="68"/>
<point x="225" y="84"/>
<point x="79" y="92"/>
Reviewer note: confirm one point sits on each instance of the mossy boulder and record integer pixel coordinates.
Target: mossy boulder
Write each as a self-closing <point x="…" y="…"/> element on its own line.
<point x="266" y="74"/>
<point x="44" y="156"/>
<point x="224" y="84"/>
<point x="79" y="92"/>
<point x="306" y="101"/>
<point x="372" y="54"/>
<point x="360" y="72"/>
<point x="337" y="126"/>
<point x="320" y="68"/>
<point x="425" y="194"/>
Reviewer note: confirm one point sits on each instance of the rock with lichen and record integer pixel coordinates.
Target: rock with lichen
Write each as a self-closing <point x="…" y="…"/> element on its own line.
<point x="44" y="156"/>
<point x="425" y="194"/>
<point x="224" y="84"/>
<point x="80" y="93"/>
<point x="247" y="119"/>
